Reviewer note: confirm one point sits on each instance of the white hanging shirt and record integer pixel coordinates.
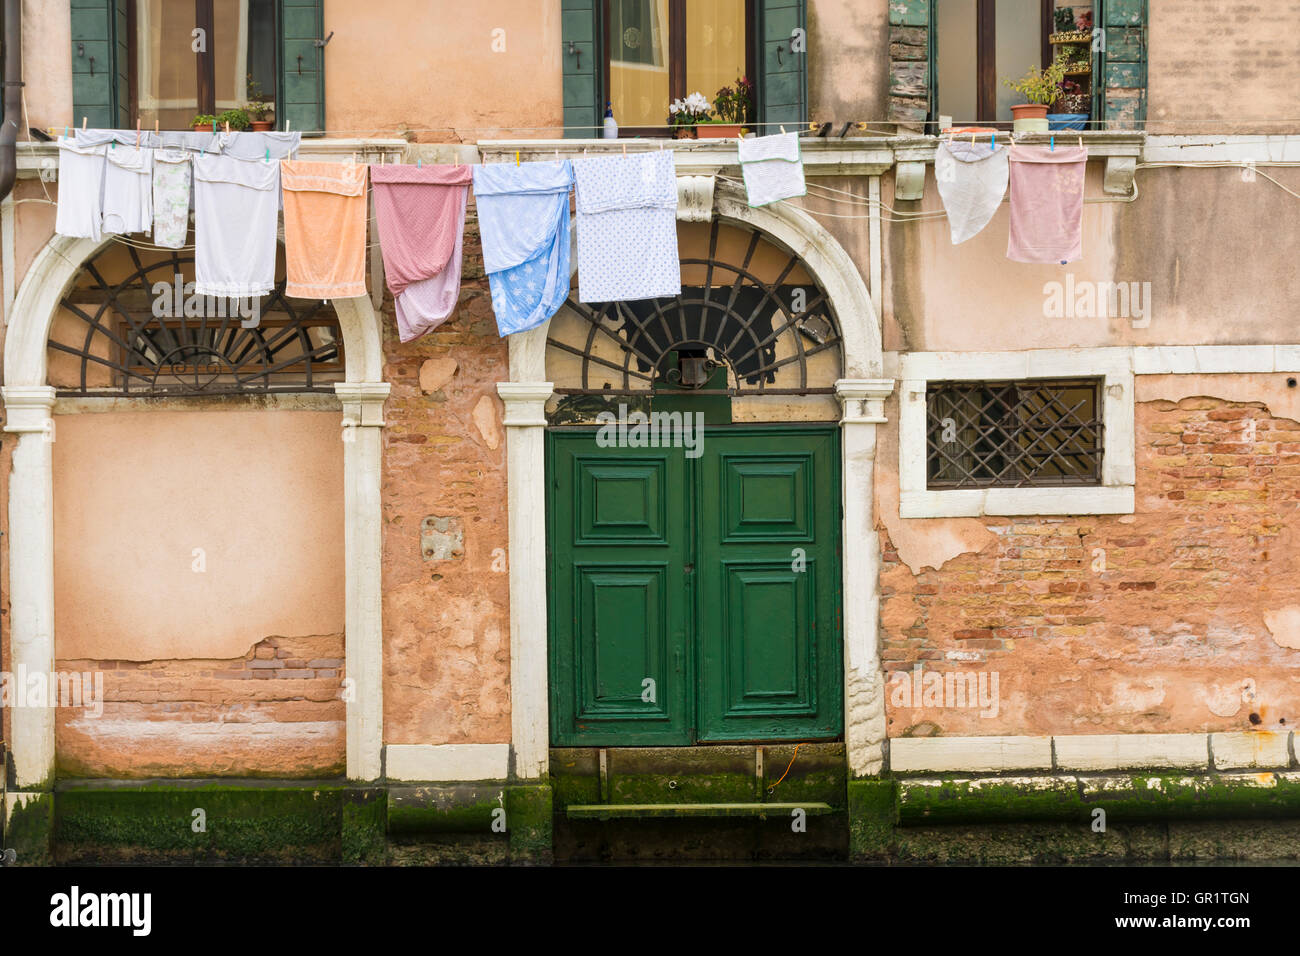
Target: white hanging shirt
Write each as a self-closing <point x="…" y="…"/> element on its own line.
<point x="236" y="205"/>
<point x="80" y="212"/>
<point x="772" y="166"/>
<point x="972" y="180"/>
<point x="627" y="227"/>
<point x="128" y="189"/>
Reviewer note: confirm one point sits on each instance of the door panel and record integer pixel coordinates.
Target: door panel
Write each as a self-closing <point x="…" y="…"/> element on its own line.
<point x="717" y="579"/>
<point x="618" y="539"/>
<point x="768" y="584"/>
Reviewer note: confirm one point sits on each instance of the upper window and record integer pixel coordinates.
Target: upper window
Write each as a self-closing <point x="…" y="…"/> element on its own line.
<point x="179" y="74"/>
<point x="662" y="50"/>
<point x="979" y="42"/>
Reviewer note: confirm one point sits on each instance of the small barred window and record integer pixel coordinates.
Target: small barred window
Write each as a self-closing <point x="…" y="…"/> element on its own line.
<point x="1013" y="434"/>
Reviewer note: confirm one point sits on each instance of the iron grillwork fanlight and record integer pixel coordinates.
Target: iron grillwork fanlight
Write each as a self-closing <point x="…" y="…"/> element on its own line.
<point x="297" y="345"/>
<point x="734" y="318"/>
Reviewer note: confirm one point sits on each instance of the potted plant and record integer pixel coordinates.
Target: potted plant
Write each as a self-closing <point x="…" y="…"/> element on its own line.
<point x="1040" y="88"/>
<point x="237" y="119"/>
<point x="686" y="114"/>
<point x="259" y="111"/>
<point x="732" y="107"/>
<point x="204" y="122"/>
<point x="259" y="115"/>
<point x="1064" y="17"/>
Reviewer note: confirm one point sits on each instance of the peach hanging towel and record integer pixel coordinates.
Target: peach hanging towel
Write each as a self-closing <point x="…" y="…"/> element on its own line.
<point x="324" y="229"/>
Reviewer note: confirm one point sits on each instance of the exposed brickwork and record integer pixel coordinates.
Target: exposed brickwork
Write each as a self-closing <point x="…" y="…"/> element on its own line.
<point x="1138" y="623"/>
<point x="446" y="623"/>
<point x="278" y="711"/>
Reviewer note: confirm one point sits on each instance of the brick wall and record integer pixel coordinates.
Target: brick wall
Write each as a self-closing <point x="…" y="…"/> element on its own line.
<point x="1173" y="619"/>
<point x="276" y="712"/>
<point x="446" y="621"/>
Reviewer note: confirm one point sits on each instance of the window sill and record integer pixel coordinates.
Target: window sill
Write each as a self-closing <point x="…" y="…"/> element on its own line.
<point x="1012" y="502"/>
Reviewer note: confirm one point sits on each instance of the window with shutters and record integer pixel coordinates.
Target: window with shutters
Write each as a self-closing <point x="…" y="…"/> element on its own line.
<point x="162" y="62"/>
<point x="640" y="55"/>
<point x="948" y="58"/>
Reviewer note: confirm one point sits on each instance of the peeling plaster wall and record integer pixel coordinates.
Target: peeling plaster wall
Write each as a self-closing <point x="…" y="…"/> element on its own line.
<point x="1182" y="617"/>
<point x="446" y="622"/>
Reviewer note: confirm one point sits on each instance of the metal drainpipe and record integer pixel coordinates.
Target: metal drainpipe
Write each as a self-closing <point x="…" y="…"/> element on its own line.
<point x="13" y="98"/>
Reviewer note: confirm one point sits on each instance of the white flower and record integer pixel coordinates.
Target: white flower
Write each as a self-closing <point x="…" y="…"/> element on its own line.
<point x="696" y="103"/>
<point x="676" y="106"/>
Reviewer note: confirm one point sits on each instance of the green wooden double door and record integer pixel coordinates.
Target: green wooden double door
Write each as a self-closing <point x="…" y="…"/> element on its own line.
<point x="695" y="599"/>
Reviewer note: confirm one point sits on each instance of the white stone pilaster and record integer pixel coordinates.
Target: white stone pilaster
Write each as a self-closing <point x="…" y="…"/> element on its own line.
<point x="525" y="422"/>
<point x="864" y="686"/>
<point x="363" y="417"/>
<point x="31" y="575"/>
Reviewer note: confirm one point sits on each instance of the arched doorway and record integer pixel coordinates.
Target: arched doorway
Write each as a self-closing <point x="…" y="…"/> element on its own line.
<point x="859" y="395"/>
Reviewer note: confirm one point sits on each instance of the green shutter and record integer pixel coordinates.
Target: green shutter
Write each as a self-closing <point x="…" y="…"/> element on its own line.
<point x="99" y="88"/>
<point x="911" y="54"/>
<point x="782" y="87"/>
<point x="580" y="27"/>
<point x="300" y="98"/>
<point x="1120" y="93"/>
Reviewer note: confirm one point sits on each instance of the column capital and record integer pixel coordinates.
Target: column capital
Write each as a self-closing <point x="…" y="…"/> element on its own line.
<point x="363" y="402"/>
<point x="525" y="402"/>
<point x="863" y="399"/>
<point x="27" y="407"/>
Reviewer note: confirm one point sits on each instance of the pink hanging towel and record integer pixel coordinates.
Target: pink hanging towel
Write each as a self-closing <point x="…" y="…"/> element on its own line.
<point x="421" y="215"/>
<point x="1047" y="204"/>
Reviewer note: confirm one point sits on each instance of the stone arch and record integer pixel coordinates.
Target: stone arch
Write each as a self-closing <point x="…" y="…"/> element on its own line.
<point x="29" y="402"/>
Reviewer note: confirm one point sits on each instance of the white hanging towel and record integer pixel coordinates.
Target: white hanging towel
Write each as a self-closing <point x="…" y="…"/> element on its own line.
<point x="235" y="217"/>
<point x="627" y="227"/>
<point x="80" y="212"/>
<point x="972" y="180"/>
<point x="128" y="189"/>
<point x="772" y="166"/>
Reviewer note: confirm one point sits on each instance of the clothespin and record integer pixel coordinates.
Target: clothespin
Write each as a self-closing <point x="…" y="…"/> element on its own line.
<point x="155" y="127"/>
<point x="625" y="149"/>
<point x="83" y="122"/>
<point x="419" y="163"/>
<point x="214" y="127"/>
<point x="137" y="133"/>
<point x="993" y="141"/>
<point x="227" y="126"/>
<point x="1081" y="141"/>
<point x="949" y="135"/>
<point x="972" y="139"/>
<point x="354" y="159"/>
<point x="65" y="132"/>
<point x="516" y="157"/>
<point x="781" y="128"/>
<point x="288" y="124"/>
<point x="557" y="155"/>
<point x="1053" y="144"/>
<point x="268" y="155"/>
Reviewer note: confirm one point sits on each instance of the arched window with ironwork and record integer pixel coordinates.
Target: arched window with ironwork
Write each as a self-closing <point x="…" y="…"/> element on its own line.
<point x="131" y="325"/>
<point x="752" y="335"/>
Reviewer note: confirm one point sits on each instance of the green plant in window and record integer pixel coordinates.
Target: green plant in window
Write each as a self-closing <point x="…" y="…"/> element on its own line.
<point x="237" y="118"/>
<point x="1040" y="85"/>
<point x="203" y="119"/>
<point x="733" y="105"/>
<point x="1064" y="19"/>
<point x="689" y="111"/>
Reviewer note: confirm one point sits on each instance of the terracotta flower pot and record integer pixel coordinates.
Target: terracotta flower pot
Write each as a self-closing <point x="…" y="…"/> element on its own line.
<point x="1030" y="117"/>
<point x="720" y="130"/>
<point x="262" y="125"/>
<point x="1029" y="111"/>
